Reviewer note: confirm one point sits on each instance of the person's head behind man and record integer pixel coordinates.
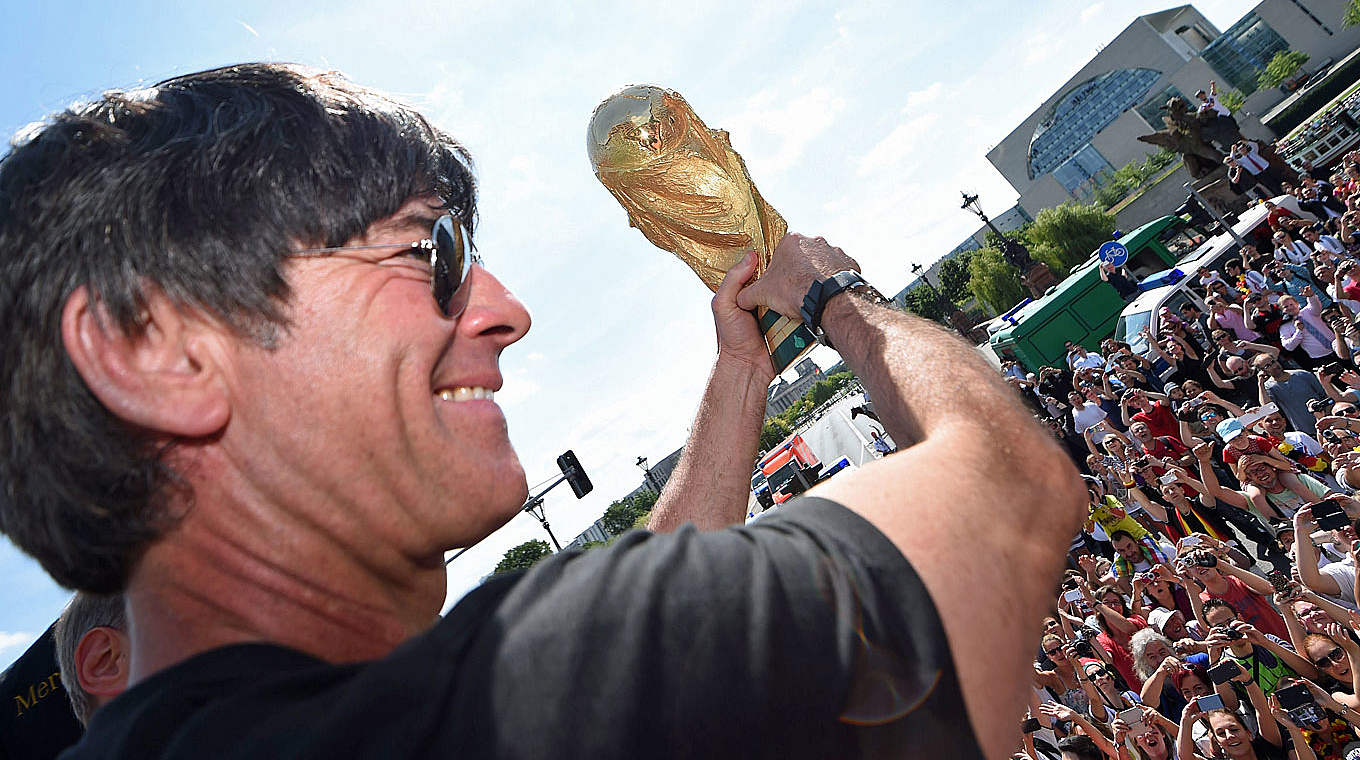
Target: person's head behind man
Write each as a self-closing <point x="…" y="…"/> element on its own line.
<point x="92" y="651"/>
<point x="327" y="403"/>
<point x="1127" y="547"/>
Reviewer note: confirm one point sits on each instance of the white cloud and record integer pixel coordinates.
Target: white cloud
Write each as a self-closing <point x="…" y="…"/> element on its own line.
<point x="900" y="145"/>
<point x="919" y="98"/>
<point x="1040" y="47"/>
<point x="1091" y="11"/>
<point x="12" y="644"/>
<point x="777" y="125"/>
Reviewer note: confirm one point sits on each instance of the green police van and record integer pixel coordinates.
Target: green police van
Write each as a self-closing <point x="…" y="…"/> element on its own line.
<point x="1084" y="308"/>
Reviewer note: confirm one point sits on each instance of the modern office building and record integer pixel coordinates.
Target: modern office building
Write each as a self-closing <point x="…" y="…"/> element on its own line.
<point x="1090" y="126"/>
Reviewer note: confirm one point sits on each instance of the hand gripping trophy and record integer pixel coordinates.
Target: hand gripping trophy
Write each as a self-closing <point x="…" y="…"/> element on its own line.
<point x="688" y="192"/>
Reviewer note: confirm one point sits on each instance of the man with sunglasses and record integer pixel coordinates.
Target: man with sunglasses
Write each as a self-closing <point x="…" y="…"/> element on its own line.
<point x="249" y="380"/>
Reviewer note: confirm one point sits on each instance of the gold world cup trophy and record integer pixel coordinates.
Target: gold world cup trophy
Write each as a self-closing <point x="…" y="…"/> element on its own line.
<point x="688" y="192"/>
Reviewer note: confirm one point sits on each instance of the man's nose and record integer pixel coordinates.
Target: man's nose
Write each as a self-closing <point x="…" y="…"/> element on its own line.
<point x="492" y="311"/>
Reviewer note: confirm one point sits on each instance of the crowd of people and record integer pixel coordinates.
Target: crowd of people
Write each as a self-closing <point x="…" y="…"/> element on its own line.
<point x="1210" y="605"/>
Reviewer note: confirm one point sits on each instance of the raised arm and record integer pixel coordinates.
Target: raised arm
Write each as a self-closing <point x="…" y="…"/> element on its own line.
<point x="971" y="433"/>
<point x="1306" y="555"/>
<point x="711" y="483"/>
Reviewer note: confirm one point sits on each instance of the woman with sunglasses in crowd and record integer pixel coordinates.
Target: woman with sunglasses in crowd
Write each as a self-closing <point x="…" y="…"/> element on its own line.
<point x="1336" y="661"/>
<point x="1063" y="681"/>
<point x="1305" y="613"/>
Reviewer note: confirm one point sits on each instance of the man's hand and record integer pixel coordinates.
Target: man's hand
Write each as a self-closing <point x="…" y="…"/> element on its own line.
<point x="797" y="262"/>
<point x="739" y="337"/>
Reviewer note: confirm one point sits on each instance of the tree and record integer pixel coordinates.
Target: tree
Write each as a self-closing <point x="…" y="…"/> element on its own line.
<point x="774" y="431"/>
<point x="924" y="301"/>
<point x="1281" y="67"/>
<point x="1070" y="232"/>
<point x="1233" y="100"/>
<point x="1130" y="177"/>
<point x="1352" y="16"/>
<point x="523" y="557"/>
<point x="993" y="281"/>
<point x="620" y="516"/>
<point x="954" y="276"/>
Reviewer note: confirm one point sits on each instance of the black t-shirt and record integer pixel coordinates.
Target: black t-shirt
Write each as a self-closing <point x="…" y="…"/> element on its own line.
<point x="804" y="634"/>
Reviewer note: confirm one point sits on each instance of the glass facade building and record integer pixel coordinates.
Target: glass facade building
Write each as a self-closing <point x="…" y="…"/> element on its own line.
<point x="1241" y="53"/>
<point x="1084" y="111"/>
<point x="1081" y="174"/>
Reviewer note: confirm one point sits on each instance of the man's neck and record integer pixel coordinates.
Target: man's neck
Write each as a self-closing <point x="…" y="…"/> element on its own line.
<point x="212" y="586"/>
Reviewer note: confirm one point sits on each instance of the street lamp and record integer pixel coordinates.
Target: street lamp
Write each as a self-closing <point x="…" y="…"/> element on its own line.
<point x="1015" y="253"/>
<point x="647" y="473"/>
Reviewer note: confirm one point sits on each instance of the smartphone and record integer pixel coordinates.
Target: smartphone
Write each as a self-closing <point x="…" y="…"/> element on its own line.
<point x="1279" y="580"/>
<point x="1224" y="671"/>
<point x="1072" y="596"/>
<point x="1192" y="540"/>
<point x="1030" y="725"/>
<point x="1268" y="409"/>
<point x="1333" y="369"/>
<point x="1299" y="703"/>
<point x="1132" y="716"/>
<point x="1210" y="702"/>
<point x="1329" y="514"/>
<point x="1167" y="478"/>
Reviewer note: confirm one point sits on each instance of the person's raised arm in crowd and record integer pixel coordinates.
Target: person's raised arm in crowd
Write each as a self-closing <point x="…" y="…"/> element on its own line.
<point x="971" y="434"/>
<point x="1063" y="712"/>
<point x="711" y="483"/>
<point x="1306" y="556"/>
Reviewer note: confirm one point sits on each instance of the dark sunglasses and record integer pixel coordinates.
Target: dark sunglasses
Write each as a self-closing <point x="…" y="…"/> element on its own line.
<point x="1336" y="656"/>
<point x="449" y="258"/>
<point x="1051" y="652"/>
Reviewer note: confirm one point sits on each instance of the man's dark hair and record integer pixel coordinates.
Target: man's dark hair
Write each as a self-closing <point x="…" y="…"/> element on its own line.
<point x="1121" y="534"/>
<point x="1082" y="746"/>
<point x="1214" y="602"/>
<point x="196" y="187"/>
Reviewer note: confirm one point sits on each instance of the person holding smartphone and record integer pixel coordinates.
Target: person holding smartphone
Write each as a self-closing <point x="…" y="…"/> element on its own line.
<point x="1335" y="581"/>
<point x="1228" y="733"/>
<point x="1335" y="735"/>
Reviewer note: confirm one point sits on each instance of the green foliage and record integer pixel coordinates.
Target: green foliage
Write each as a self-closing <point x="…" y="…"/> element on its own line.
<point x="1131" y="177"/>
<point x="623" y="514"/>
<point x="1069" y="234"/>
<point x="954" y="276"/>
<point x="924" y="301"/>
<point x="1282" y="67"/>
<point x="780" y="426"/>
<point x="1233" y="100"/>
<point x="1352" y="16"/>
<point x="523" y="557"/>
<point x="993" y="281"/>
<point x="774" y="431"/>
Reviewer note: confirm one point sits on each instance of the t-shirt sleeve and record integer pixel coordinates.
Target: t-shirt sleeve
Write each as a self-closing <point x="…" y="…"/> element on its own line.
<point x="804" y="634"/>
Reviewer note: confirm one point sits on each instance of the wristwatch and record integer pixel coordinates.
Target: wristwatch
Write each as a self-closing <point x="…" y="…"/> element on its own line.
<point x="822" y="291"/>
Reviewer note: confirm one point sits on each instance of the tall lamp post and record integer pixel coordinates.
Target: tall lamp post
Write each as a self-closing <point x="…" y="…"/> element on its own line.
<point x="1034" y="274"/>
<point x="647" y="473"/>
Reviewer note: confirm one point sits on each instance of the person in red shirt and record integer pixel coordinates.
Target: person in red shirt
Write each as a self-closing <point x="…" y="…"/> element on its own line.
<point x="1157" y="414"/>
<point x="1246" y="591"/>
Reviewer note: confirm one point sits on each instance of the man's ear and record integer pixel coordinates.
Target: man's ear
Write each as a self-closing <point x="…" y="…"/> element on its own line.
<point x="102" y="662"/>
<point x="165" y="377"/>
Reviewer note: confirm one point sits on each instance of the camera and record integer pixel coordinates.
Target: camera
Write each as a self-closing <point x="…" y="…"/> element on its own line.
<point x="1231" y="634"/>
<point x="1205" y="559"/>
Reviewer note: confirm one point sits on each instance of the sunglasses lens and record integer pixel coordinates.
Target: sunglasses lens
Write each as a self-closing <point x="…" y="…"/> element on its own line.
<point x="449" y="266"/>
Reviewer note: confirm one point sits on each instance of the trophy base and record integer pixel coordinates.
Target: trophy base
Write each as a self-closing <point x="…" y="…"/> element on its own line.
<point x="786" y="339"/>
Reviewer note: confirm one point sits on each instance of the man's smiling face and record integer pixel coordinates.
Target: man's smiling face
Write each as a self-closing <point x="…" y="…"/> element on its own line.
<point x="370" y="414"/>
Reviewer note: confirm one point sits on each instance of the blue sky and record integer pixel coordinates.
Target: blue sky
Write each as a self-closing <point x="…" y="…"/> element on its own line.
<point x="858" y="121"/>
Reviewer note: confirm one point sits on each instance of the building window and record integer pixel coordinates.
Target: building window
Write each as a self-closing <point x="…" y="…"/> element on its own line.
<point x="1241" y="53"/>
<point x="1084" y="111"/>
<point x="1081" y="174"/>
<point x="1151" y="110"/>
